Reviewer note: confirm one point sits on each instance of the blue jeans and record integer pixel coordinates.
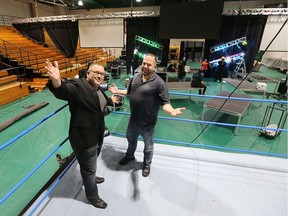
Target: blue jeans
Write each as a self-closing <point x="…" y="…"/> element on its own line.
<point x="147" y="132"/>
<point x="87" y="160"/>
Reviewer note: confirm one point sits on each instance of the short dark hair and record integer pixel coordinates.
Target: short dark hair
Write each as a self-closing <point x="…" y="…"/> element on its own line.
<point x="152" y="55"/>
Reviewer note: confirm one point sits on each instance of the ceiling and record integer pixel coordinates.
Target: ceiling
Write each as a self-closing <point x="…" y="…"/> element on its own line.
<point x="92" y="4"/>
<point x="104" y="4"/>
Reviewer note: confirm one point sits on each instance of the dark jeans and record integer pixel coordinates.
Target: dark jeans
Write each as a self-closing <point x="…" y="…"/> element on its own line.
<point x="87" y="160"/>
<point x="147" y="132"/>
<point x="202" y="86"/>
<point x="204" y="89"/>
<point x="219" y="76"/>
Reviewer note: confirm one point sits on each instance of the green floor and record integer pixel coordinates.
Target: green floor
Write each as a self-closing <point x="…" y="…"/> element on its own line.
<point x="41" y="144"/>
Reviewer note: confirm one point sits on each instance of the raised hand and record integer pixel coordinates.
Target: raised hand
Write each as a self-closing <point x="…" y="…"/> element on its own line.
<point x="54" y="73"/>
<point x="113" y="89"/>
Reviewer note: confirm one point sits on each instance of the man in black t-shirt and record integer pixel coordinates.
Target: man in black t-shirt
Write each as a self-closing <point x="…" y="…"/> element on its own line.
<point x="221" y="70"/>
<point x="197" y="81"/>
<point x="148" y="92"/>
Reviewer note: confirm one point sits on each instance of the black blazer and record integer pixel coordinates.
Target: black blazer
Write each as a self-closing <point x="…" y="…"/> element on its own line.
<point x="87" y="119"/>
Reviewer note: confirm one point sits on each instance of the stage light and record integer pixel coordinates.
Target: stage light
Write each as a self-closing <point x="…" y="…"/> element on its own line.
<point x="238" y="42"/>
<point x="149" y="42"/>
<point x="135" y="51"/>
<point x="138" y="0"/>
<point x="228" y="59"/>
<point x="80" y="3"/>
<point x="237" y="57"/>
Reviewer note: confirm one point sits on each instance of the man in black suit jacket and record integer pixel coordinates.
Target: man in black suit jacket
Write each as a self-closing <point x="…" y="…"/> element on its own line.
<point x="87" y="105"/>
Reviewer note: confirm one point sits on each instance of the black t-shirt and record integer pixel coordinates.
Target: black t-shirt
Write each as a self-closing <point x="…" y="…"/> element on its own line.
<point x="146" y="98"/>
<point x="197" y="78"/>
<point x="222" y="67"/>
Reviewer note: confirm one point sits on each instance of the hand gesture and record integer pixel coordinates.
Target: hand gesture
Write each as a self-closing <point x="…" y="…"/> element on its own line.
<point x="177" y="111"/>
<point x="54" y="73"/>
<point x="115" y="99"/>
<point x="113" y="89"/>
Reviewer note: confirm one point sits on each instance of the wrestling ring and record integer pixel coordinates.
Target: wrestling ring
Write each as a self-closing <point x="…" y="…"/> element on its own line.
<point x="189" y="175"/>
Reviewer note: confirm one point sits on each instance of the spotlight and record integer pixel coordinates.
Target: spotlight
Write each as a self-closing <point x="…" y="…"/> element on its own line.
<point x="135" y="51"/>
<point x="138" y="0"/>
<point x="80" y="3"/>
<point x="228" y="59"/>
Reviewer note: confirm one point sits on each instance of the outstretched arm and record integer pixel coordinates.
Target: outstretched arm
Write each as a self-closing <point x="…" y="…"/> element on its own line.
<point x="54" y="73"/>
<point x="114" y="90"/>
<point x="170" y="110"/>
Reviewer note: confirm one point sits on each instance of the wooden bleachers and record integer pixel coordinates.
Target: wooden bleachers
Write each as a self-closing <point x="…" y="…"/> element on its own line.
<point x="30" y="48"/>
<point x="11" y="89"/>
<point x="3" y="73"/>
<point x="17" y="48"/>
<point x="8" y="79"/>
<point x="38" y="84"/>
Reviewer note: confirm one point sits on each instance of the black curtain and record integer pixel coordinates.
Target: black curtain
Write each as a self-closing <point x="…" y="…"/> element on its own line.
<point x="234" y="27"/>
<point x="64" y="35"/>
<point x="146" y="27"/>
<point x="33" y="31"/>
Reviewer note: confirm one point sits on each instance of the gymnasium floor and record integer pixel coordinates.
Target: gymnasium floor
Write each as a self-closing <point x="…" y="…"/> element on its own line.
<point x="19" y="160"/>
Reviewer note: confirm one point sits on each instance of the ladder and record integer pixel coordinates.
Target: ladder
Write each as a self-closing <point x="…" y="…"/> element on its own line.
<point x="241" y="66"/>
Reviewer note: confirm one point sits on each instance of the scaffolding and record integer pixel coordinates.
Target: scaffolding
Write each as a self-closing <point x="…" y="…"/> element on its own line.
<point x="153" y="13"/>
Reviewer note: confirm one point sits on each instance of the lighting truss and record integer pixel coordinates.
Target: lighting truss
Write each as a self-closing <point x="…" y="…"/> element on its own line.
<point x="257" y="11"/>
<point x="141" y="56"/>
<point x="236" y="57"/>
<point x="154" y="13"/>
<point x="148" y="42"/>
<point x="54" y="2"/>
<point x="228" y="44"/>
<point x="87" y="17"/>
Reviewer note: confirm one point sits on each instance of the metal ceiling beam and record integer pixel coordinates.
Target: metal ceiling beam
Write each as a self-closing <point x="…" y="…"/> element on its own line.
<point x="85" y="17"/>
<point x="53" y="2"/>
<point x="261" y="11"/>
<point x="258" y="11"/>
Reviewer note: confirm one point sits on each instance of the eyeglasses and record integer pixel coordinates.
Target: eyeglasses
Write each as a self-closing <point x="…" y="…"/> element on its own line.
<point x="97" y="73"/>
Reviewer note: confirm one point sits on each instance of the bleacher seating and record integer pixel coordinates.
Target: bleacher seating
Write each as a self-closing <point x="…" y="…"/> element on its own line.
<point x="17" y="50"/>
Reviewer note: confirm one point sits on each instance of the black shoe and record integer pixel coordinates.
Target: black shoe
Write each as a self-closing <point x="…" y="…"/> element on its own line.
<point x="125" y="160"/>
<point x="146" y="171"/>
<point x="99" y="203"/>
<point x="99" y="180"/>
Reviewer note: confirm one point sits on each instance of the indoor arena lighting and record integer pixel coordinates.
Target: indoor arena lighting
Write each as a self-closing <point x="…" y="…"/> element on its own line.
<point x="228" y="44"/>
<point x="149" y="42"/>
<point x="236" y="57"/>
<point x="80" y="3"/>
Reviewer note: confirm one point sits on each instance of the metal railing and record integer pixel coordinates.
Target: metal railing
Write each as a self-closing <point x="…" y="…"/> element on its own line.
<point x="24" y="56"/>
<point x="7" y="20"/>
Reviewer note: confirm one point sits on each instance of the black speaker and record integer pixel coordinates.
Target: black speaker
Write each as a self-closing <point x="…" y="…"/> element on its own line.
<point x="115" y="72"/>
<point x="282" y="89"/>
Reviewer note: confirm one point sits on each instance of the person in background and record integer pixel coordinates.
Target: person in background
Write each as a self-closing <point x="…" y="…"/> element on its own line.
<point x="147" y="93"/>
<point x="184" y="60"/>
<point x="221" y="70"/>
<point x="181" y="73"/>
<point x="87" y="104"/>
<point x="197" y="81"/>
<point x="231" y="69"/>
<point x="172" y="67"/>
<point x="204" y="66"/>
